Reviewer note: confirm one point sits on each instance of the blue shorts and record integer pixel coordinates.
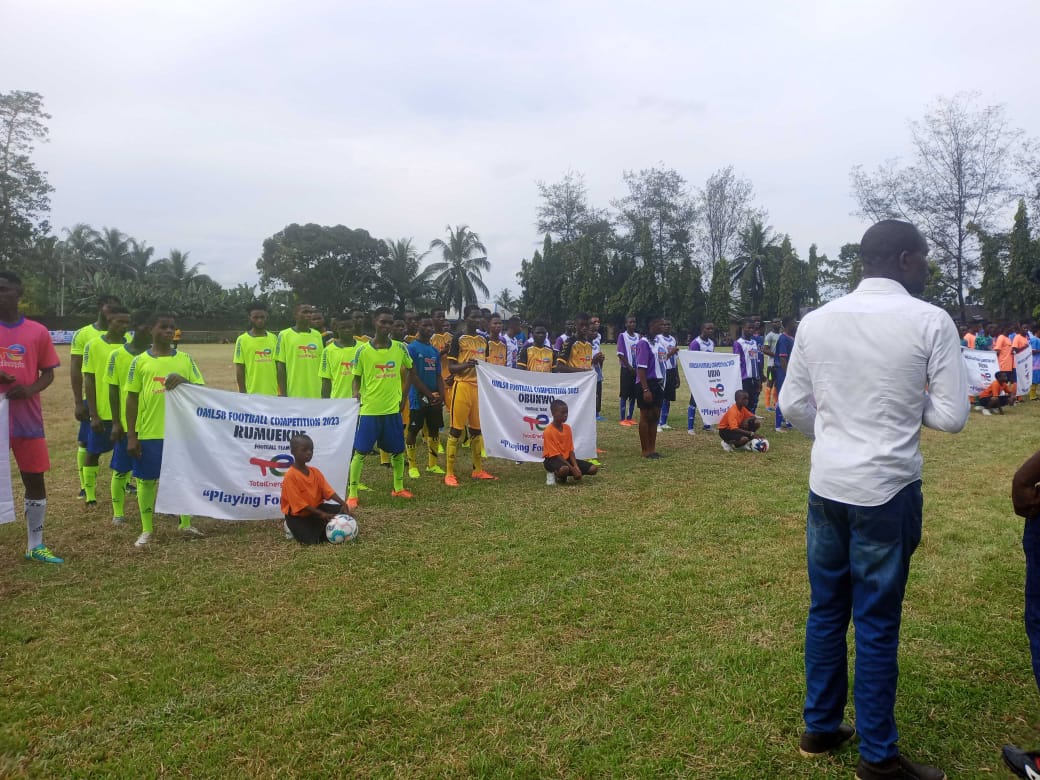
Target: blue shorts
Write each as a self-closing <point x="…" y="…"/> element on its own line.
<point x="385" y="429"/>
<point x="150" y="462"/>
<point x="1036" y="376"/>
<point x="98" y="443"/>
<point x="84" y="427"/>
<point x="121" y="461"/>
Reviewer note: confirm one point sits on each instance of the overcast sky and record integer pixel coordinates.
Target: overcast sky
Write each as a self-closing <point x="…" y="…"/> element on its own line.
<point x="209" y="126"/>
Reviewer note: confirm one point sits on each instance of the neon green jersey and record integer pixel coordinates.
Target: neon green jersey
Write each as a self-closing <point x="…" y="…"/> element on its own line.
<point x="301" y="354"/>
<point x="117" y="372"/>
<point x="147" y="376"/>
<point x="256" y="354"/>
<point x="337" y="365"/>
<point x="380" y="371"/>
<point x="95" y="361"/>
<point x="84" y="336"/>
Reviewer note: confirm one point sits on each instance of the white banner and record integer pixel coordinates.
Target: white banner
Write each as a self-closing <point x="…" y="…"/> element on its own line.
<point x="514" y="410"/>
<point x="1024" y="371"/>
<point x="7" y="514"/>
<point x="714" y="377"/>
<point x="225" y="453"/>
<point x="982" y="369"/>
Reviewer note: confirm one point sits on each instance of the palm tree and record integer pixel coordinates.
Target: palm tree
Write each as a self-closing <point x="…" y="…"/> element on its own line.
<point x="111" y="247"/>
<point x="750" y="266"/>
<point x="400" y="281"/>
<point x="174" y="270"/>
<point x="505" y="301"/>
<point x="140" y="257"/>
<point x="459" y="275"/>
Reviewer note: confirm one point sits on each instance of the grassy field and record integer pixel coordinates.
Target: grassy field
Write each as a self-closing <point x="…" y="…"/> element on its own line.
<point x="646" y="623"/>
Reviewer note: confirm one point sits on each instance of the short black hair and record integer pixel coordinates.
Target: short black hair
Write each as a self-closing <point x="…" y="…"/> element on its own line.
<point x="581" y="316"/>
<point x="471" y="308"/>
<point x="556" y="404"/>
<point x="161" y="314"/>
<point x="104" y="300"/>
<point x="787" y="320"/>
<point x="495" y="316"/>
<point x="539" y="324"/>
<point x="12" y="277"/>
<point x="118" y="309"/>
<point x="384" y="310"/>
<point x="256" y="306"/>
<point x="886" y="240"/>
<point x="300" y="437"/>
<point x="140" y="318"/>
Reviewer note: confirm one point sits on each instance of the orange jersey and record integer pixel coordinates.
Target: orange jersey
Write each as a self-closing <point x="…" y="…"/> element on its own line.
<point x="535" y="358"/>
<point x="465" y="348"/>
<point x="557" y="442"/>
<point x="996" y="388"/>
<point x="734" y="418"/>
<point x="301" y="490"/>
<point x="497" y="352"/>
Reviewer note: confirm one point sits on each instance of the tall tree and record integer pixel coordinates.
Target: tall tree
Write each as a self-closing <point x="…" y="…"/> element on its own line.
<point x="724" y="208"/>
<point x="24" y="191"/>
<point x="174" y="270"/>
<point x="720" y="304"/>
<point x="960" y="176"/>
<point x="459" y="275"/>
<point x="993" y="291"/>
<point x="505" y="302"/>
<point x="812" y="279"/>
<point x="330" y="267"/>
<point x="750" y="267"/>
<point x="1021" y="288"/>
<point x="841" y="275"/>
<point x="791" y="276"/>
<point x="112" y="251"/>
<point x="564" y="211"/>
<point x="659" y="214"/>
<point x="401" y="284"/>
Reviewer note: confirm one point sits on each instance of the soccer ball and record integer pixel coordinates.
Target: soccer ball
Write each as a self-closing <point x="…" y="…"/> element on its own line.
<point x="760" y="445"/>
<point x="341" y="528"/>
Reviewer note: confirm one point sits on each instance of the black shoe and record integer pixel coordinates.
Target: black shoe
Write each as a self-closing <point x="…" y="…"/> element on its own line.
<point x="92" y="503"/>
<point x="812" y="745"/>
<point x="1020" y="762"/>
<point x="131" y="489"/>
<point x="897" y="768"/>
<point x="82" y="493"/>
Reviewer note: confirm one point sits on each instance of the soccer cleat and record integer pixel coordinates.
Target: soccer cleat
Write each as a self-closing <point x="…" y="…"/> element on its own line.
<point x="770" y="408"/>
<point x="550" y="478"/>
<point x="595" y="462"/>
<point x="812" y="745"/>
<point x="465" y="444"/>
<point x="413" y="473"/>
<point x="451" y="480"/>
<point x="600" y="418"/>
<point x="131" y="489"/>
<point x="91" y="503"/>
<point x="987" y="412"/>
<point x="118" y="520"/>
<point x="482" y="475"/>
<point x="653" y="456"/>
<point x="434" y="470"/>
<point x="726" y="446"/>
<point x="707" y="427"/>
<point x="401" y="494"/>
<point x="143" y="539"/>
<point x="897" y="768"/>
<point x="363" y="487"/>
<point x="660" y="429"/>
<point x="1022" y="763"/>
<point x="191" y="532"/>
<point x="665" y="427"/>
<point x="43" y="554"/>
<point x="440" y="449"/>
<point x="285" y="528"/>
<point x="82" y="493"/>
<point x="352" y="503"/>
<point x="691" y="431"/>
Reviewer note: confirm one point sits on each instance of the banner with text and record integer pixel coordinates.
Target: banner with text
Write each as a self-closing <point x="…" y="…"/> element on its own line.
<point x="514" y="410"/>
<point x="7" y="514"/>
<point x="1024" y="371"/>
<point x="982" y="369"/>
<point x="225" y="453"/>
<point x="713" y="378"/>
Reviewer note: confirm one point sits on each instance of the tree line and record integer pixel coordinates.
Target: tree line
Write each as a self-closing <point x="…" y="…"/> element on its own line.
<point x="663" y="246"/>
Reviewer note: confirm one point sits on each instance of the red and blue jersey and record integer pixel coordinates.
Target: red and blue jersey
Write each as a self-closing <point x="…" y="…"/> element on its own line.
<point x="26" y="350"/>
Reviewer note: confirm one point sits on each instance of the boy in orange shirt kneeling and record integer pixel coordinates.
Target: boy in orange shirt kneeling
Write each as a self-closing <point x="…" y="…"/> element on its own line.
<point x="558" y="449"/>
<point x="738" y="425"/>
<point x="308" y="501"/>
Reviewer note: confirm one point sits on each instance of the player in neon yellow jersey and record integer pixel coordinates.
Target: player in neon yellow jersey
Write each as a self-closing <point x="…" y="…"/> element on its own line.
<point x="377" y="383"/>
<point x="337" y="361"/>
<point x="116" y="374"/>
<point x="80" y="340"/>
<point x="152" y="374"/>
<point x="255" y="371"/>
<point x="297" y="356"/>
<point x="95" y="364"/>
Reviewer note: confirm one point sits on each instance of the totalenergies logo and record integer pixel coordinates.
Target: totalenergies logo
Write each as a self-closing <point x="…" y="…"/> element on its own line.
<point x="161" y="381"/>
<point x="346" y="367"/>
<point x="718" y="389"/>
<point x="15" y="353"/>
<point x="539" y="423"/>
<point x="307" y="350"/>
<point x="386" y="369"/>
<point x="263" y="355"/>
<point x="277" y="465"/>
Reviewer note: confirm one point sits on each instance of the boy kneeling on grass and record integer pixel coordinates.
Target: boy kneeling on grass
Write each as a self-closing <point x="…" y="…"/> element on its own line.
<point x="308" y="501"/>
<point x="558" y="449"/>
<point x="738" y="425"/>
<point x="998" y="395"/>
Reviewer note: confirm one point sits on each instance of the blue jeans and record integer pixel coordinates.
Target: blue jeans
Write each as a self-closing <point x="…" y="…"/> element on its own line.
<point x="1031" y="546"/>
<point x="859" y="560"/>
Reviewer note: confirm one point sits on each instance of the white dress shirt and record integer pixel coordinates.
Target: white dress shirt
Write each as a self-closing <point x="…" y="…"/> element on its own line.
<point x="856" y="382"/>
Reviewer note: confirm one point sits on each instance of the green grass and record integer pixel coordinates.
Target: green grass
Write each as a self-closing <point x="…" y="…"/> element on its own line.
<point x="646" y="623"/>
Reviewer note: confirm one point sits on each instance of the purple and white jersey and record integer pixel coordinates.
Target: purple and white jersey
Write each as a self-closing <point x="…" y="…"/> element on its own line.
<point x="626" y="346"/>
<point x="646" y="357"/>
<point x="702" y="345"/>
<point x="662" y="344"/>
<point x="513" y="346"/>
<point x="597" y="348"/>
<point x="747" y="349"/>
<point x="560" y="341"/>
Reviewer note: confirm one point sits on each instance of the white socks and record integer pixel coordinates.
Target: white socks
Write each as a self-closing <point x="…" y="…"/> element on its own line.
<point x="35" y="511"/>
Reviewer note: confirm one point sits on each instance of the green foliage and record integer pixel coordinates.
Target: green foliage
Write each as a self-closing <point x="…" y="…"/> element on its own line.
<point x="751" y="269"/>
<point x="720" y="304"/>
<point x="400" y="284"/>
<point x="994" y="257"/>
<point x="840" y="276"/>
<point x="459" y="275"/>
<point x="811" y="284"/>
<point x="1022" y="290"/>
<point x="24" y="190"/>
<point x="331" y="267"/>
<point x="792" y="292"/>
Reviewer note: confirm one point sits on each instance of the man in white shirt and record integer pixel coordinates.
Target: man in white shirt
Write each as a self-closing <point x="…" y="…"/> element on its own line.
<point x="876" y="348"/>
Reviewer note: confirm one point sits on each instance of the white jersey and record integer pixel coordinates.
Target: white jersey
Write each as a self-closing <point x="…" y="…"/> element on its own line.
<point x="513" y="347"/>
<point x="597" y="348"/>
<point x="661" y="345"/>
<point x="626" y="345"/>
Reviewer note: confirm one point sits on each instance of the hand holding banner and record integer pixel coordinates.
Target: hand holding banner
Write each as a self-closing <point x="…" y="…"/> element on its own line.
<point x="714" y="378"/>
